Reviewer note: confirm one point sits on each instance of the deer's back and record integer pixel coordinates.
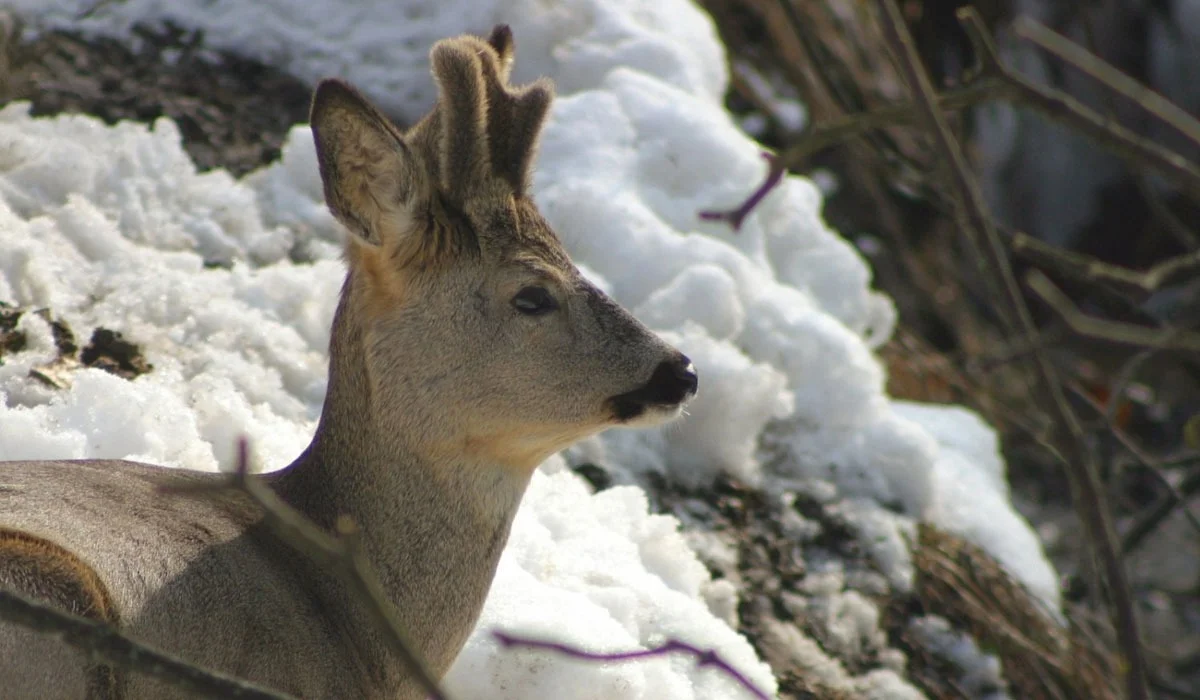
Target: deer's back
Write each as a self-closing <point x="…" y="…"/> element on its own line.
<point x="196" y="576"/>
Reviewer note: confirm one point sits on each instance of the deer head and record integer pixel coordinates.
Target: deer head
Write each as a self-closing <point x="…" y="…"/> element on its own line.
<point x="477" y="336"/>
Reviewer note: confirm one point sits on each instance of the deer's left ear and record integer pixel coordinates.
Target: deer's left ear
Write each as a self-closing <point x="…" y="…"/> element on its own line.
<point x="371" y="182"/>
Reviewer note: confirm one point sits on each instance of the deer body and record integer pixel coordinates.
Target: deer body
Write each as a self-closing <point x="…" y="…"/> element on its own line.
<point x="466" y="349"/>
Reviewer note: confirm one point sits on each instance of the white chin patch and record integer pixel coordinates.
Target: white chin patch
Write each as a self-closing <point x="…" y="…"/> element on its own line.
<point x="655" y="415"/>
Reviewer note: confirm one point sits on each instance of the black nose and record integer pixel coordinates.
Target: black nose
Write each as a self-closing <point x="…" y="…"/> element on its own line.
<point x="685" y="373"/>
<point x="673" y="381"/>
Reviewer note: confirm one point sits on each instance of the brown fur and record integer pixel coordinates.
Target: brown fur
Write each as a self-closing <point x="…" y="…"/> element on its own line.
<point x="44" y="570"/>
<point x="447" y="386"/>
<point x="383" y="284"/>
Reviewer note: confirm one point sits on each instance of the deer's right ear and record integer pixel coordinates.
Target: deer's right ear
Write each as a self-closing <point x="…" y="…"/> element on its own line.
<point x="368" y="172"/>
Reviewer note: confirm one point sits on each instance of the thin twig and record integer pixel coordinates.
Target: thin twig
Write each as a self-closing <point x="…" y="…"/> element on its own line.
<point x="1105" y="73"/>
<point x="1066" y="110"/>
<point x="1148" y="461"/>
<point x="110" y="645"/>
<point x="1124" y="378"/>
<point x="1114" y="331"/>
<point x="1090" y="269"/>
<point x="988" y="81"/>
<point x="95" y="7"/>
<point x="1186" y="460"/>
<point x="1091" y="64"/>
<point x="1011" y="350"/>
<point x="970" y="207"/>
<point x="704" y="657"/>
<point x="822" y="135"/>
<point x="1174" y="689"/>
<point x="341" y="555"/>
<point x="1169" y="219"/>
<point x="1148" y="521"/>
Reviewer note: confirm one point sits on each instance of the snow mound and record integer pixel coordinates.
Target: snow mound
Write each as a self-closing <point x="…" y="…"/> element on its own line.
<point x="599" y="572"/>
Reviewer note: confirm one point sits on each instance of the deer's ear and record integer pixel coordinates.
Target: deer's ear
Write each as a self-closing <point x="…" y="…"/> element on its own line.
<point x="371" y="182"/>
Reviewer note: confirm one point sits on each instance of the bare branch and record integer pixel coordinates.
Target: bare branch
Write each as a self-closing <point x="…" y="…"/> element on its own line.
<point x="1114" y="331"/>
<point x="970" y="209"/>
<point x="1087" y="268"/>
<point x="1118" y="82"/>
<point x="105" y="642"/>
<point x="1148" y="461"/>
<point x="1095" y="270"/>
<point x="822" y="135"/>
<point x="1090" y="502"/>
<point x="1149" y="519"/>
<point x="988" y="81"/>
<point x="1090" y="63"/>
<point x="704" y="657"/>
<point x="1066" y="110"/>
<point x="341" y="555"/>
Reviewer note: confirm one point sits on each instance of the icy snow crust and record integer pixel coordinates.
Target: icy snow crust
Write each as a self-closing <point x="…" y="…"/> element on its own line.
<point x="113" y="226"/>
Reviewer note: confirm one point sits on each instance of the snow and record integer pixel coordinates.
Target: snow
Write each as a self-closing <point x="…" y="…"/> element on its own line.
<point x="229" y="286"/>
<point x="981" y="677"/>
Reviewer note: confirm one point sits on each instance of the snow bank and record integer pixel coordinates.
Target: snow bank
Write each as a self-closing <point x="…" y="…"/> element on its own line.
<point x="598" y="572"/>
<point x="113" y="227"/>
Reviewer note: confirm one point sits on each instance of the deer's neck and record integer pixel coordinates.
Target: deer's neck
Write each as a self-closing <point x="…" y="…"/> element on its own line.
<point x="433" y="526"/>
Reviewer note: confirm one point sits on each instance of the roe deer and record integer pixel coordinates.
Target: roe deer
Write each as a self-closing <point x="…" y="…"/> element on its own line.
<point x="466" y="349"/>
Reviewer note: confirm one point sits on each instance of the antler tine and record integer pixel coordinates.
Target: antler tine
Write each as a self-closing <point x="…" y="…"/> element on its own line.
<point x="464" y="158"/>
<point x="501" y="39"/>
<point x="488" y="128"/>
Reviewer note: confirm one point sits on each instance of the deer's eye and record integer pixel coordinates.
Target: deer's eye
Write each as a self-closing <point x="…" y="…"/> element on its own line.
<point x="534" y="301"/>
